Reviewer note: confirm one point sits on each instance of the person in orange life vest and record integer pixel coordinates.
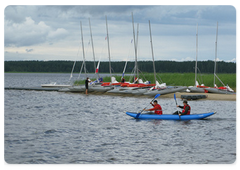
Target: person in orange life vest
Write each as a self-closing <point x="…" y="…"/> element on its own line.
<point x="186" y="109"/>
<point x="156" y="107"/>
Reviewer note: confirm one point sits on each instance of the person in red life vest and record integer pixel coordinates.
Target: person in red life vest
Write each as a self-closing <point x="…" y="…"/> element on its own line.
<point x="186" y="109"/>
<point x="135" y="80"/>
<point x="123" y="80"/>
<point x="156" y="107"/>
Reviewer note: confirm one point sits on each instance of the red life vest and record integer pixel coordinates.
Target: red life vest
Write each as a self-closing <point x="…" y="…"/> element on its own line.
<point x="184" y="107"/>
<point x="157" y="109"/>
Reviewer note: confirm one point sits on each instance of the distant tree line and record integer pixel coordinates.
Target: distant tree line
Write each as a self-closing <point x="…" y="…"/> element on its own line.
<point x="117" y="66"/>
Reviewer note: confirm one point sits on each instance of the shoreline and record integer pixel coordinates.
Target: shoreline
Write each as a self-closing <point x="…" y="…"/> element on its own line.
<point x="210" y="96"/>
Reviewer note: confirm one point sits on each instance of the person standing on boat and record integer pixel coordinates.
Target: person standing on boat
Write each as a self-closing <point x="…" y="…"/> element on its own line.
<point x="186" y="109"/>
<point x="156" y="107"/>
<point x="123" y="80"/>
<point x="135" y="80"/>
<point x="86" y="85"/>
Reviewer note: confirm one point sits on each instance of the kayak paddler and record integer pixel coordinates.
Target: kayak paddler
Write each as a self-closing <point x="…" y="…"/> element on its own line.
<point x="186" y="109"/>
<point x="156" y="107"/>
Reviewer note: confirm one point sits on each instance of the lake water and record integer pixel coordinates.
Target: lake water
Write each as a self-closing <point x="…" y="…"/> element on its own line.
<point x="71" y="128"/>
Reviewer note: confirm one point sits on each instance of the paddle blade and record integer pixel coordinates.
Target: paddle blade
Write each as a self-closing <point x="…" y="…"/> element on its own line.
<point x="138" y="115"/>
<point x="157" y="95"/>
<point x="175" y="98"/>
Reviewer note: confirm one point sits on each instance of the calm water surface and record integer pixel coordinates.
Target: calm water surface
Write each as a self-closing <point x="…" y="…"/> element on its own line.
<point x="72" y="128"/>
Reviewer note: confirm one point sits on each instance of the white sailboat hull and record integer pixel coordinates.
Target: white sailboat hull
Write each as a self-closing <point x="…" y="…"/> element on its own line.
<point x="73" y="89"/>
<point x="98" y="88"/>
<point x="121" y="90"/>
<point x="139" y="91"/>
<point x="219" y="91"/>
<point x="55" y="85"/>
<point x="166" y="90"/>
<point x="196" y="90"/>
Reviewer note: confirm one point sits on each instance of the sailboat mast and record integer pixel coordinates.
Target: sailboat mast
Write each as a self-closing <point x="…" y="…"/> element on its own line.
<point x="94" y="62"/>
<point x="137" y="47"/>
<point x="215" y="64"/>
<point x="80" y="72"/>
<point x="135" y="50"/>
<point x="71" y="75"/>
<point x="196" y="56"/>
<point x="124" y="69"/>
<point x="83" y="51"/>
<point x="108" y="50"/>
<point x="152" y="52"/>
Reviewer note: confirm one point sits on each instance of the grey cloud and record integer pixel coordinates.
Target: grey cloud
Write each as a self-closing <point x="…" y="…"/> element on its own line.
<point x="142" y="12"/>
<point x="31" y="25"/>
<point x="18" y="13"/>
<point x="100" y="9"/>
<point x="29" y="50"/>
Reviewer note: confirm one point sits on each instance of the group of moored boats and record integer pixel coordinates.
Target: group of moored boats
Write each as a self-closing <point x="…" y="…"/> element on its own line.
<point x="139" y="88"/>
<point x="206" y="89"/>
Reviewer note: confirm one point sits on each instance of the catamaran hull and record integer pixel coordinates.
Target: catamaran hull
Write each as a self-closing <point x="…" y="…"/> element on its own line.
<point x="73" y="89"/>
<point x="114" y="90"/>
<point x="166" y="90"/>
<point x="129" y="90"/>
<point x="55" y="85"/>
<point x="196" y="90"/>
<point x="139" y="91"/>
<point x="100" y="88"/>
<point x="92" y="88"/>
<point x="120" y="90"/>
<point x="219" y="91"/>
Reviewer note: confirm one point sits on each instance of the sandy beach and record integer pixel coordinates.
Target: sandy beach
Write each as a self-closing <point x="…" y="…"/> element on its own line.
<point x="210" y="96"/>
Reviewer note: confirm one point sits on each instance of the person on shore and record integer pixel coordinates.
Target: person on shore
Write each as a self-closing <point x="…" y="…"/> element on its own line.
<point x="156" y="107"/>
<point x="86" y="85"/>
<point x="135" y="80"/>
<point x="186" y="109"/>
<point x="123" y="80"/>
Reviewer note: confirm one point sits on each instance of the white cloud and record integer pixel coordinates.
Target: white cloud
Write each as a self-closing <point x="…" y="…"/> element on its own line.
<point x="58" y="34"/>
<point x="232" y="60"/>
<point x="30" y="33"/>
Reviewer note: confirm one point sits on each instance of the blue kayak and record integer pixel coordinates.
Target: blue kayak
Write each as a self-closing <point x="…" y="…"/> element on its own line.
<point x="171" y="117"/>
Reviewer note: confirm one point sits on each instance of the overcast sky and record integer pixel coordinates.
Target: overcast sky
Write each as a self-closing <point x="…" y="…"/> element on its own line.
<point x="53" y="32"/>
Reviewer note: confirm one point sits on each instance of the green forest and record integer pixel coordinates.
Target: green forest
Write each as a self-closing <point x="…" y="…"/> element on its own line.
<point x="117" y="66"/>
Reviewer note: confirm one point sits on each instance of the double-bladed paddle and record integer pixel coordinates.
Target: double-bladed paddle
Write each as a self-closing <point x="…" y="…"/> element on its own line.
<point x="176" y="103"/>
<point x="157" y="95"/>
